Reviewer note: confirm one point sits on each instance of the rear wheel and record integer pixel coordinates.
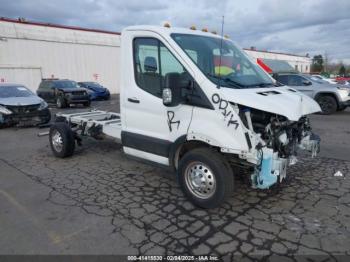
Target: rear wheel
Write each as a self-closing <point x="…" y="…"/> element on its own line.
<point x="87" y="104"/>
<point x="328" y="104"/>
<point x="62" y="140"/>
<point x="205" y="177"/>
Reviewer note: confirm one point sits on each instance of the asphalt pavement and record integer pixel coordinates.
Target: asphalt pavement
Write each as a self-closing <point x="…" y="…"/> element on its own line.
<point x="101" y="202"/>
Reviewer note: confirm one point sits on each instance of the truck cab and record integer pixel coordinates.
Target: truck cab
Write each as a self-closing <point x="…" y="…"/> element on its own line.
<point x="196" y="103"/>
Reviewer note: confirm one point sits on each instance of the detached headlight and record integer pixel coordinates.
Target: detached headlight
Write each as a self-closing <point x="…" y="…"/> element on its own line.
<point x="43" y="105"/>
<point x="4" y="110"/>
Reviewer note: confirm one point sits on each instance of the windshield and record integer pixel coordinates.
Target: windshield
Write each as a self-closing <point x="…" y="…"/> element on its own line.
<point x="66" y="84"/>
<point x="14" y="91"/>
<point x="222" y="62"/>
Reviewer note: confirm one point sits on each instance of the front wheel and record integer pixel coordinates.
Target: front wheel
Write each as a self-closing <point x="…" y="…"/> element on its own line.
<point x="62" y="140"/>
<point x="205" y="177"/>
<point x="60" y="102"/>
<point x="328" y="104"/>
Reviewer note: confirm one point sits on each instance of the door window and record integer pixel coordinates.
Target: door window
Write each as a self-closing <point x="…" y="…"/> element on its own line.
<point x="44" y="85"/>
<point x="152" y="62"/>
<point x="295" y="80"/>
<point x="283" y="79"/>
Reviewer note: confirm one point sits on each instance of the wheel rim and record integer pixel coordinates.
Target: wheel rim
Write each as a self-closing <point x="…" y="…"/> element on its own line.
<point x="59" y="104"/>
<point x="200" y="180"/>
<point x="57" y="142"/>
<point x="326" y="105"/>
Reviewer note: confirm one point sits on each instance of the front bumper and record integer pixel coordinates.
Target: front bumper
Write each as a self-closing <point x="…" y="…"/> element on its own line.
<point x="273" y="168"/>
<point x="344" y="98"/>
<point x="26" y="119"/>
<point x="344" y="103"/>
<point x="77" y="99"/>
<point x="98" y="96"/>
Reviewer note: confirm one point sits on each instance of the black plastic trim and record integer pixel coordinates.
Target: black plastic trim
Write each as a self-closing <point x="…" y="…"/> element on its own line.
<point x="248" y="140"/>
<point x="146" y="143"/>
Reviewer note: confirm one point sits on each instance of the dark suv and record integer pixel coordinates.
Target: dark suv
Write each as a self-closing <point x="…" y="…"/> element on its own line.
<point x="63" y="92"/>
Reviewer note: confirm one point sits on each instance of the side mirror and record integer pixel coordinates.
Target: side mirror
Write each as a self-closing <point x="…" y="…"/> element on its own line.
<point x="172" y="92"/>
<point x="307" y="83"/>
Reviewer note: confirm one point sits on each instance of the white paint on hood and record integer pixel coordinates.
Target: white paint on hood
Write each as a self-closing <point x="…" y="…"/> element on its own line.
<point x="283" y="101"/>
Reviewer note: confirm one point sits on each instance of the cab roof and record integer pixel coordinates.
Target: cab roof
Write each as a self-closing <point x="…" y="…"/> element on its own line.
<point x="162" y="30"/>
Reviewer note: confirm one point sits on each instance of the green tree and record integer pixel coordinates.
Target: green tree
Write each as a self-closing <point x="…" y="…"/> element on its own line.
<point x="317" y="64"/>
<point x="342" y="70"/>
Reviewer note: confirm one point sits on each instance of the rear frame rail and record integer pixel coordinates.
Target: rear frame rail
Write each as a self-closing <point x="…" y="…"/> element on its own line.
<point x="94" y="123"/>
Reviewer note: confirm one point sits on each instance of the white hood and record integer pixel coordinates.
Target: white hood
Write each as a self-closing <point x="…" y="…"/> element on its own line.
<point x="283" y="101"/>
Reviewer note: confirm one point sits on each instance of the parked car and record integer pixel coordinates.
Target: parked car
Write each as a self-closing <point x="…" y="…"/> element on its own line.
<point x="343" y="80"/>
<point x="63" y="92"/>
<point x="20" y="106"/>
<point x="329" y="80"/>
<point x="95" y="90"/>
<point x="330" y="97"/>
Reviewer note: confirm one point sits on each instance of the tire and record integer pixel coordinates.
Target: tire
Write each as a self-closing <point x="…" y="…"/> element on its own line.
<point x="62" y="140"/>
<point x="87" y="104"/>
<point x="61" y="102"/>
<point x="214" y="175"/>
<point x="328" y="104"/>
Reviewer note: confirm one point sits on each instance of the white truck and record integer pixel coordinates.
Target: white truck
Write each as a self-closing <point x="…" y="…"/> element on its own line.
<point x="194" y="102"/>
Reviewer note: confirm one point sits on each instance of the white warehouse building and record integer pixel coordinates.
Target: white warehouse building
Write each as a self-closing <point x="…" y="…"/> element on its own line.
<point x="31" y="51"/>
<point x="297" y="62"/>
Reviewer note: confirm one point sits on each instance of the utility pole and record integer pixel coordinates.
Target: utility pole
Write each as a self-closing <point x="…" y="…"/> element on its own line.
<point x="325" y="61"/>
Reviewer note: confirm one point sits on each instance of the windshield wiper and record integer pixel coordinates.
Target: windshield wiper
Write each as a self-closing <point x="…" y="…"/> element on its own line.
<point x="227" y="80"/>
<point x="261" y="85"/>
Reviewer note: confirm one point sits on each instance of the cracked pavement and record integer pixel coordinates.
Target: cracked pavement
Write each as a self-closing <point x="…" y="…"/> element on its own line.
<point x="105" y="203"/>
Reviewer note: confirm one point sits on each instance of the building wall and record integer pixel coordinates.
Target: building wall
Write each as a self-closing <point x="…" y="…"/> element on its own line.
<point x="300" y="63"/>
<point x="29" y="53"/>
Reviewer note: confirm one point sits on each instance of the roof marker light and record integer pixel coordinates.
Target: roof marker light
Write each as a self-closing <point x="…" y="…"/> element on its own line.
<point x="214" y="32"/>
<point x="167" y="25"/>
<point x="205" y="30"/>
<point x="193" y="27"/>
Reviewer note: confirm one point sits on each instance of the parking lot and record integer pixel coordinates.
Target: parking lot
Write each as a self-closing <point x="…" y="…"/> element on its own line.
<point x="101" y="202"/>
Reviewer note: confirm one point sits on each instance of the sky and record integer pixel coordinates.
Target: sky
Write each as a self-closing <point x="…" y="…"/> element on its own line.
<point x="292" y="26"/>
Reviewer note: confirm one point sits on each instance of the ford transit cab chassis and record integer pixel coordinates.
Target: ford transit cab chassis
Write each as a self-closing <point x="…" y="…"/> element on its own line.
<point x="196" y="103"/>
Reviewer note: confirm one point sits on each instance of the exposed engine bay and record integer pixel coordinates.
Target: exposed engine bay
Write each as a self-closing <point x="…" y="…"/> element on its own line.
<point x="280" y="141"/>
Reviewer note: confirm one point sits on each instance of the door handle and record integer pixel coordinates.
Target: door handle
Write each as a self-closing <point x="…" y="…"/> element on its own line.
<point x="134" y="100"/>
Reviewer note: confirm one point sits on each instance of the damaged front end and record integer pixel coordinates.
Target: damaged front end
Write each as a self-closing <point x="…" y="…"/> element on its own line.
<point x="23" y="116"/>
<point x="278" y="142"/>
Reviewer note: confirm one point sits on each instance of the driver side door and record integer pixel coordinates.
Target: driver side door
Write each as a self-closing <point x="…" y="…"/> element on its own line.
<point x="150" y="126"/>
